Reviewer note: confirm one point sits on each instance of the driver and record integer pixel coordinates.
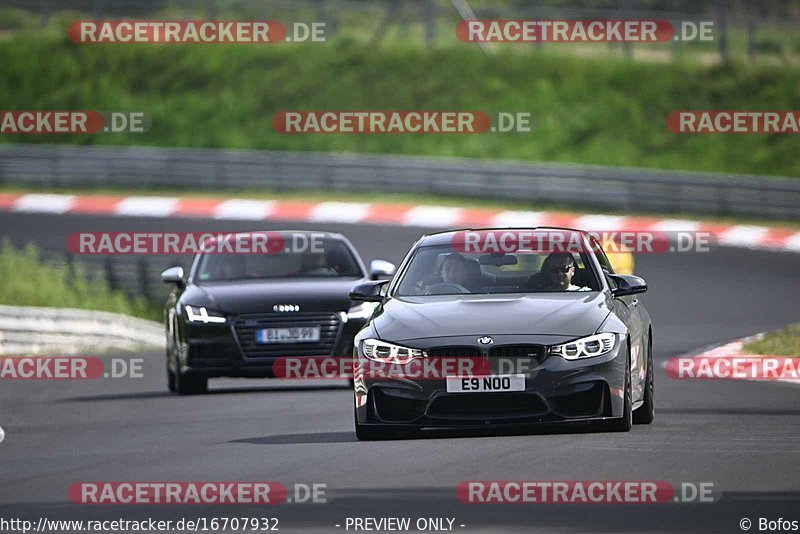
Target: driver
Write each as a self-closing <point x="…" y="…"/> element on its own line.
<point x="454" y="269"/>
<point x="316" y="264"/>
<point x="557" y="272"/>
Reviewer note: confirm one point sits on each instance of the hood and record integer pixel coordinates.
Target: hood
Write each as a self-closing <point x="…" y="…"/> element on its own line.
<point x="259" y="296"/>
<point x="567" y="314"/>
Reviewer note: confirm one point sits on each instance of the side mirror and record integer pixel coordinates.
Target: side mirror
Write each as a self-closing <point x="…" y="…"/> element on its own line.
<point x="627" y="284"/>
<point x="173" y="275"/>
<point x="368" y="291"/>
<point x="378" y="268"/>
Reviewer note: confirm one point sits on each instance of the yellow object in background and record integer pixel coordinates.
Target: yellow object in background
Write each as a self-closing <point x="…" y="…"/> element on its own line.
<point x="619" y="255"/>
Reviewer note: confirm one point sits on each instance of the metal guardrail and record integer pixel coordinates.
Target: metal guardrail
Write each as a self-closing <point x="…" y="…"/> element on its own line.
<point x="593" y="187"/>
<point x="38" y="330"/>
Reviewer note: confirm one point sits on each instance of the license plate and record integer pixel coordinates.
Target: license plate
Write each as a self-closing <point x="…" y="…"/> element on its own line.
<point x="304" y="334"/>
<point x="485" y="384"/>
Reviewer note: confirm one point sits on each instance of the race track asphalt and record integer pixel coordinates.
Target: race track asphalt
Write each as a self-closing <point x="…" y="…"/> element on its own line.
<point x="744" y="437"/>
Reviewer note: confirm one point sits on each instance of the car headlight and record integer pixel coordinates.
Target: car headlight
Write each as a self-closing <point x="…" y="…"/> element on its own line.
<point x="586" y="347"/>
<point x="197" y="314"/>
<point x="381" y="351"/>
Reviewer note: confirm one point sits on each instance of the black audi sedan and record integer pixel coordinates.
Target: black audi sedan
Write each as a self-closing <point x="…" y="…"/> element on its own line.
<point x="551" y="332"/>
<point x="239" y="310"/>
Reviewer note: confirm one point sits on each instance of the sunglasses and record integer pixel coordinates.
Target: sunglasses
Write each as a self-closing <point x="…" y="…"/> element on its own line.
<point x="563" y="269"/>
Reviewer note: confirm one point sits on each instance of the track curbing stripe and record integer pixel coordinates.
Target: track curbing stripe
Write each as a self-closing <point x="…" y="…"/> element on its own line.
<point x="730" y="235"/>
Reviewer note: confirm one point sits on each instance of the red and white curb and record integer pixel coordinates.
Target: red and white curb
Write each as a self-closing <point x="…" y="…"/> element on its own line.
<point x="728" y="235"/>
<point x="732" y="351"/>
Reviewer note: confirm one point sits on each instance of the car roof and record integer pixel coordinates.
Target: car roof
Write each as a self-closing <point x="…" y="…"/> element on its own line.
<point x="446" y="237"/>
<point x="284" y="233"/>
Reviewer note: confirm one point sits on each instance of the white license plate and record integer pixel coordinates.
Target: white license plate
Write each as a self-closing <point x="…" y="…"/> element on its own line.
<point x="304" y="334"/>
<point x="485" y="384"/>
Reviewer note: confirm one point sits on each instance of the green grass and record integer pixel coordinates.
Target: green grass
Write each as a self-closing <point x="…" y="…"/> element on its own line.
<point x="785" y="342"/>
<point x="30" y="281"/>
<point x="607" y="112"/>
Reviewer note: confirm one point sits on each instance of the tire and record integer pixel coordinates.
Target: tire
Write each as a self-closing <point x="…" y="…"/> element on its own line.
<point x="371" y="432"/>
<point x="170" y="375"/>
<point x="645" y="413"/>
<point x="171" y="381"/>
<point x="190" y="384"/>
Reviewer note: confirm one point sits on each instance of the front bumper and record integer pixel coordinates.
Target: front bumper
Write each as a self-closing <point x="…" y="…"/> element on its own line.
<point x="230" y="350"/>
<point x="556" y="390"/>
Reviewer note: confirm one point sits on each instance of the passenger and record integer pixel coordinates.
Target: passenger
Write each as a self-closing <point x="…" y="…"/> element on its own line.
<point x="556" y="274"/>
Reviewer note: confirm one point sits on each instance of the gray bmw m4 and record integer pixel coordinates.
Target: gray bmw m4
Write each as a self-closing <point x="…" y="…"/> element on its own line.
<point x="549" y="333"/>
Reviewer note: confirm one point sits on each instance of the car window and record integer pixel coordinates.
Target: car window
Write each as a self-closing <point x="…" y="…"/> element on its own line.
<point x="335" y="260"/>
<point x="601" y="256"/>
<point x="438" y="270"/>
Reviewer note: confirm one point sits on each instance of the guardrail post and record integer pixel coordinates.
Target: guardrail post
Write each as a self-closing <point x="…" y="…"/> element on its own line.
<point x="70" y="261"/>
<point x="392" y="14"/>
<point x="722" y="24"/>
<point x="677" y="48"/>
<point x="627" y="47"/>
<point x="429" y="14"/>
<point x="143" y="273"/>
<point x="108" y="271"/>
<point x="751" y="39"/>
<point x="211" y="9"/>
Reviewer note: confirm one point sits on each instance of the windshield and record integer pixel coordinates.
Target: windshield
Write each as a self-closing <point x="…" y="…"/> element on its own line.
<point x="335" y="260"/>
<point x="437" y="270"/>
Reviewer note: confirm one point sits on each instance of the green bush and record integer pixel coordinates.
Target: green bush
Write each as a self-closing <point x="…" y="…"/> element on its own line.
<point x="586" y="110"/>
<point x="12" y="18"/>
<point x="30" y="281"/>
<point x="785" y="342"/>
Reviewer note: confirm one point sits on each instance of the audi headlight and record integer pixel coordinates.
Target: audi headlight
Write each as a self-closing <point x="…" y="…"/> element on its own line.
<point x="197" y="314"/>
<point x="381" y="351"/>
<point x="586" y="347"/>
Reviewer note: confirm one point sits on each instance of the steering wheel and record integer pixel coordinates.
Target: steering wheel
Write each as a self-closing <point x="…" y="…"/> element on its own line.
<point x="444" y="289"/>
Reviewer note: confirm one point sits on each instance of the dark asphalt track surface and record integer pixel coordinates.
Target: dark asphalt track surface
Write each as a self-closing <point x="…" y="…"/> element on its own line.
<point x="744" y="437"/>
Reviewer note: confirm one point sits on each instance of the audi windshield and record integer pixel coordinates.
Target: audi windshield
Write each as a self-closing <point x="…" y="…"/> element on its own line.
<point x="330" y="260"/>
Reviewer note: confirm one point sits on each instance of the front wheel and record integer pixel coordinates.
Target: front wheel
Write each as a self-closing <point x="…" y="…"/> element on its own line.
<point x="190" y="384"/>
<point x="171" y="381"/>
<point x="645" y="413"/>
<point x="371" y="432"/>
<point x="170" y="375"/>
